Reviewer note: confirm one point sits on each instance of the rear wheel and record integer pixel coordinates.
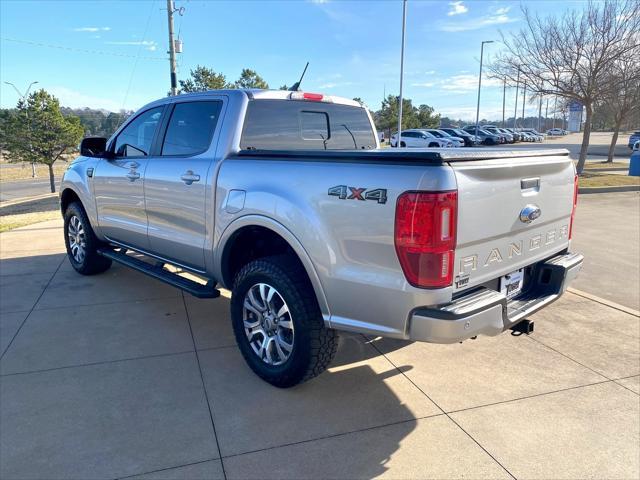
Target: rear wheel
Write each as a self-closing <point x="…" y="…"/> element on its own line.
<point x="277" y="322"/>
<point x="82" y="244"/>
<point x="402" y="144"/>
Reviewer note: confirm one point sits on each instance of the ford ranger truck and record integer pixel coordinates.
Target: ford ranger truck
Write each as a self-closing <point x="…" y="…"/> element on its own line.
<point x="286" y="199"/>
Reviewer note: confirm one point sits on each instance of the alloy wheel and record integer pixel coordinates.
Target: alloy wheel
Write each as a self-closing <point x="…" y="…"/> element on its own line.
<point x="268" y="324"/>
<point x="77" y="239"/>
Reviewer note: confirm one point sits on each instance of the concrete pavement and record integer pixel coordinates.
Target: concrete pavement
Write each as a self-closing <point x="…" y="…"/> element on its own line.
<point x="120" y="376"/>
<point x="607" y="232"/>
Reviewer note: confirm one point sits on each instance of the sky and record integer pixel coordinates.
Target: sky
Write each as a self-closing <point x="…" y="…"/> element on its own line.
<point x="112" y="54"/>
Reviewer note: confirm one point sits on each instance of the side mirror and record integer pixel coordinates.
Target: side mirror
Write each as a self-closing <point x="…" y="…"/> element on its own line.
<point x="93" y="147"/>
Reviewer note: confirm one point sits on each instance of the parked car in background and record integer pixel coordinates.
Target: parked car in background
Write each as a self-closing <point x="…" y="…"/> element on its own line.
<point x="457" y="141"/>
<point x="635" y="136"/>
<point x="493" y="129"/>
<point x="469" y="139"/>
<point x="418" y="138"/>
<point x="510" y="137"/>
<point x="486" y="137"/>
<point x="555" y="132"/>
<point x="517" y="136"/>
<point x="537" y="136"/>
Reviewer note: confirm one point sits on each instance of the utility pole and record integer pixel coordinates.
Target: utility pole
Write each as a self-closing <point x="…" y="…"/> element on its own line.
<point x="515" y="112"/>
<point x="172" y="49"/>
<point x="480" y="83"/>
<point x="555" y="112"/>
<point x="504" y="92"/>
<point x="404" y="22"/>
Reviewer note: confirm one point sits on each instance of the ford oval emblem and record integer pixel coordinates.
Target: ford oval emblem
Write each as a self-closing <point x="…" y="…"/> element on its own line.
<point x="529" y="213"/>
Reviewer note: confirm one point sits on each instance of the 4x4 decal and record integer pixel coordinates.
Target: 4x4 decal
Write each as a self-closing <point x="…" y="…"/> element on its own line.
<point x="344" y="192"/>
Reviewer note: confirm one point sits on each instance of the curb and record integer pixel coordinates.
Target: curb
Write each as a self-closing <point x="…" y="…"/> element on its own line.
<point x="603" y="301"/>
<point x="27" y="199"/>
<point x="619" y="188"/>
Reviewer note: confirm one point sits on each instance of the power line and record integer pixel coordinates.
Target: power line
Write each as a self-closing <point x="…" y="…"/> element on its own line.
<point x="78" y="50"/>
<point x="135" y="64"/>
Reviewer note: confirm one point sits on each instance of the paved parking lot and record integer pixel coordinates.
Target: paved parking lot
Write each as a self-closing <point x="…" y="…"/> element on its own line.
<point x="120" y="376"/>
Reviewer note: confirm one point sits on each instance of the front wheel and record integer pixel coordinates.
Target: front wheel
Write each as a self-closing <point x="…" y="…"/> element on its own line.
<point x="277" y="322"/>
<point x="82" y="244"/>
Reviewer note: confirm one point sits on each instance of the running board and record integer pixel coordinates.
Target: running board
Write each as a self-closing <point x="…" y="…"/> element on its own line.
<point x="156" y="271"/>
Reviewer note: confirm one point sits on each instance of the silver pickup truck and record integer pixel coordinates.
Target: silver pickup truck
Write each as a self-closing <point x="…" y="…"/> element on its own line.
<point x="286" y="199"/>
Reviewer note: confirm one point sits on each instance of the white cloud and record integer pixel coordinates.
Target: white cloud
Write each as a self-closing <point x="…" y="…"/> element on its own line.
<point x="92" y="29"/>
<point x="318" y="2"/>
<point x="430" y="72"/>
<point x="457" y="8"/>
<point x="466" y="83"/>
<point x="425" y="84"/>
<point x="149" y="45"/>
<point x="497" y="16"/>
<point x="502" y="10"/>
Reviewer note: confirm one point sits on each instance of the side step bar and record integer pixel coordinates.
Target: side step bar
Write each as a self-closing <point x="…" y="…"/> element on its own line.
<point x="156" y="271"/>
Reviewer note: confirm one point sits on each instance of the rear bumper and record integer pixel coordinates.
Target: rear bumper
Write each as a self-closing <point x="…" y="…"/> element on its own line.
<point x="488" y="312"/>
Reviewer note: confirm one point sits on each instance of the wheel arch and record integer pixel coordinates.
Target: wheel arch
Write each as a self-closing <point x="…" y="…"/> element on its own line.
<point x="67" y="197"/>
<point x="274" y="234"/>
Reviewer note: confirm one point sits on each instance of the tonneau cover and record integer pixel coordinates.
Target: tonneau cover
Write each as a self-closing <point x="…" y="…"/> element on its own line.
<point x="408" y="155"/>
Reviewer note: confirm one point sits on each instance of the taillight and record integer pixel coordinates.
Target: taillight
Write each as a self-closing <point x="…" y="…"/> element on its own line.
<point x="575" y="204"/>
<point x="425" y="237"/>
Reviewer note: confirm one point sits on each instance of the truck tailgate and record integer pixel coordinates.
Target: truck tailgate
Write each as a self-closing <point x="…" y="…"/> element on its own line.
<point x="492" y="239"/>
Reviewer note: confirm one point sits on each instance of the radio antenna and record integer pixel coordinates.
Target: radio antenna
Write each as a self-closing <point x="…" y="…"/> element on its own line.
<point x="296" y="86"/>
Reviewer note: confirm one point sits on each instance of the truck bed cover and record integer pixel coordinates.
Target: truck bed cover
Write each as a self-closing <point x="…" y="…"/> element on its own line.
<point x="405" y="156"/>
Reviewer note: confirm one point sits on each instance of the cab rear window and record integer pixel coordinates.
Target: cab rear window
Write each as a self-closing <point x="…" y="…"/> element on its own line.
<point x="303" y="125"/>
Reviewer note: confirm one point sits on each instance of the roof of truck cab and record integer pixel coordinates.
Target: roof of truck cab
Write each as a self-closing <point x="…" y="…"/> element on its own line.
<point x="251" y="93"/>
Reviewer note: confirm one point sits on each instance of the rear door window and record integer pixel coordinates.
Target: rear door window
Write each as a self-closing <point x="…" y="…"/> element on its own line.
<point x="302" y="125"/>
<point x="191" y="127"/>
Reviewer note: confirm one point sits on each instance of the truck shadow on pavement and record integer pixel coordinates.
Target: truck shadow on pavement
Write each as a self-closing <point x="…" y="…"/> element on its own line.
<point x="82" y="353"/>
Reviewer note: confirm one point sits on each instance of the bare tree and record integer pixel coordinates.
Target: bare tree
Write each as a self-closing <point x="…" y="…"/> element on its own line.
<point x="622" y="99"/>
<point x="572" y="56"/>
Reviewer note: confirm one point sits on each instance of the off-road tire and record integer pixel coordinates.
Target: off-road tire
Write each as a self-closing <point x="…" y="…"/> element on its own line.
<point x="92" y="263"/>
<point x="314" y="344"/>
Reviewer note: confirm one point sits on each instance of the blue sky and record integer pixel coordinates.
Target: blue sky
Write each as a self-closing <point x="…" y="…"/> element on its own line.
<point x="112" y="54"/>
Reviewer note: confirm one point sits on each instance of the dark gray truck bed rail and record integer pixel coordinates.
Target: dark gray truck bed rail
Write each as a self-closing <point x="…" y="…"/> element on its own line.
<point x="408" y="156"/>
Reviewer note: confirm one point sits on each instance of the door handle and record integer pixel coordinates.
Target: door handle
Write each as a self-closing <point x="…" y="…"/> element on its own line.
<point x="132" y="165"/>
<point x="133" y="176"/>
<point x="189" y="177"/>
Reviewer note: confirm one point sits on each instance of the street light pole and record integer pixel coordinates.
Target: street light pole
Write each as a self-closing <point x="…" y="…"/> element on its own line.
<point x="515" y="112"/>
<point x="24" y="98"/>
<point x="404" y="22"/>
<point x="524" y="98"/>
<point x="504" y="92"/>
<point x="480" y="83"/>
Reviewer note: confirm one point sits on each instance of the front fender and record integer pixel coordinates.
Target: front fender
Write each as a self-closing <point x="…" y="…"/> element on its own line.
<point x="76" y="180"/>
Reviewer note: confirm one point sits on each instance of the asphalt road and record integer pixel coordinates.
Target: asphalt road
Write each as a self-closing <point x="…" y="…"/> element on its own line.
<point x="24" y="188"/>
<point x="607" y="232"/>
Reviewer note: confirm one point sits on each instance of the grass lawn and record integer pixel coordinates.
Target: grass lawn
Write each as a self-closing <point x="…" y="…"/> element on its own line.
<point x="10" y="172"/>
<point x="605" y="165"/>
<point x="26" y="213"/>
<point x="597" y="179"/>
